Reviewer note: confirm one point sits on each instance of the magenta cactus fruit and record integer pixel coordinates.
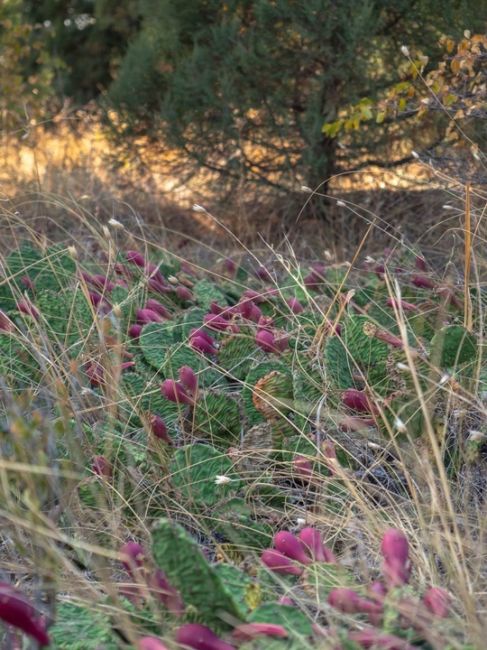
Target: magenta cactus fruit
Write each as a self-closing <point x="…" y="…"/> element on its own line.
<point x="423" y="282"/>
<point x="266" y="341"/>
<point x="378" y="590"/>
<point x="395" y="551"/>
<point x="188" y="378"/>
<point x="135" y="331"/>
<point x="150" y="643"/>
<point x="201" y="344"/>
<point x="420" y="264"/>
<point x="6" y="324"/>
<point x="282" y="341"/>
<point x="157" y="307"/>
<point x="312" y="541"/>
<point x="280" y="563"/>
<point x="290" y="546"/>
<point x="17" y="611"/>
<point x="248" y="631"/>
<point x="168" y="595"/>
<point x="145" y="316"/>
<point x="101" y="466"/>
<point x="26" y="282"/>
<point x="437" y="601"/>
<point x="94" y="372"/>
<point x="26" y="307"/>
<point x="216" y="322"/>
<point x="254" y="296"/>
<point x="315" y="277"/>
<point x="349" y="601"/>
<point x="229" y="265"/>
<point x="175" y="392"/>
<point x="303" y="467"/>
<point x="373" y="638"/>
<point x="96" y="298"/>
<point x="183" y="293"/>
<point x="159" y="428"/>
<point x="263" y="273"/>
<point x="357" y="400"/>
<point x="134" y="257"/>
<point x="405" y="306"/>
<point x="158" y="286"/>
<point x="200" y="637"/>
<point x="294" y="305"/>
<point x="132" y="556"/>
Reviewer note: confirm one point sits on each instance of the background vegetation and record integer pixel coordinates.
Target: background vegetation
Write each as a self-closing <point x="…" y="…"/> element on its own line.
<point x="242" y="325"/>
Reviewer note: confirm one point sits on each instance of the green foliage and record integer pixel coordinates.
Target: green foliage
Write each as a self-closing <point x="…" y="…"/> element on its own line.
<point x="258" y="372"/>
<point x="206" y="292"/>
<point x="294" y="621"/>
<point x="195" y="470"/>
<point x="79" y="627"/>
<point x="154" y="342"/>
<point x="355" y="357"/>
<point x="237" y="353"/>
<point x="239" y="74"/>
<point x="217" y="416"/>
<point x="453" y="345"/>
<point x="209" y="593"/>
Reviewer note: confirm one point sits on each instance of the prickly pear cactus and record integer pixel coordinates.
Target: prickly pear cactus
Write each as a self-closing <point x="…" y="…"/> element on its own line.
<point x="202" y="588"/>
<point x="17" y="363"/>
<point x="179" y="355"/>
<point x="206" y="292"/>
<point x="233" y="520"/>
<point x="217" y="416"/>
<point x="356" y="357"/>
<point x="237" y="353"/>
<point x="203" y="475"/>
<point x="292" y="619"/>
<point x="141" y="397"/>
<point x="57" y="269"/>
<point x="188" y="320"/>
<point x="82" y="628"/>
<point x="308" y="391"/>
<point x="453" y="345"/>
<point x="68" y="318"/>
<point x="258" y="372"/>
<point x="154" y="341"/>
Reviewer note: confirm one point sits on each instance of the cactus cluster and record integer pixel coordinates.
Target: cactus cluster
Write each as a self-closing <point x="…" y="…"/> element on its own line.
<point x="233" y="410"/>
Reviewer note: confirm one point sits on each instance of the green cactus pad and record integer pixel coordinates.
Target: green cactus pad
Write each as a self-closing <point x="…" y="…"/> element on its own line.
<point x="201" y="587"/>
<point x="234" y="521"/>
<point x="194" y="470"/>
<point x="179" y="355"/>
<point x="17" y="362"/>
<point x="308" y="392"/>
<point x="80" y="627"/>
<point x="292" y="619"/>
<point x="244" y="590"/>
<point x="56" y="270"/>
<point x="154" y="341"/>
<point x="189" y="320"/>
<point x="143" y="397"/>
<point x="237" y="353"/>
<point x="355" y="358"/>
<point x="453" y="345"/>
<point x="206" y="292"/>
<point x="67" y="316"/>
<point x="217" y="416"/>
<point x="257" y="372"/>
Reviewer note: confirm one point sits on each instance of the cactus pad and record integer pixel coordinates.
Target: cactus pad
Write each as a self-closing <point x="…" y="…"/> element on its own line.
<point x="195" y="470"/>
<point x="200" y="586"/>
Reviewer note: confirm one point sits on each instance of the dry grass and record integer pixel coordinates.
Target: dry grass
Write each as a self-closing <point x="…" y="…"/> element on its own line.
<point x="66" y="193"/>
